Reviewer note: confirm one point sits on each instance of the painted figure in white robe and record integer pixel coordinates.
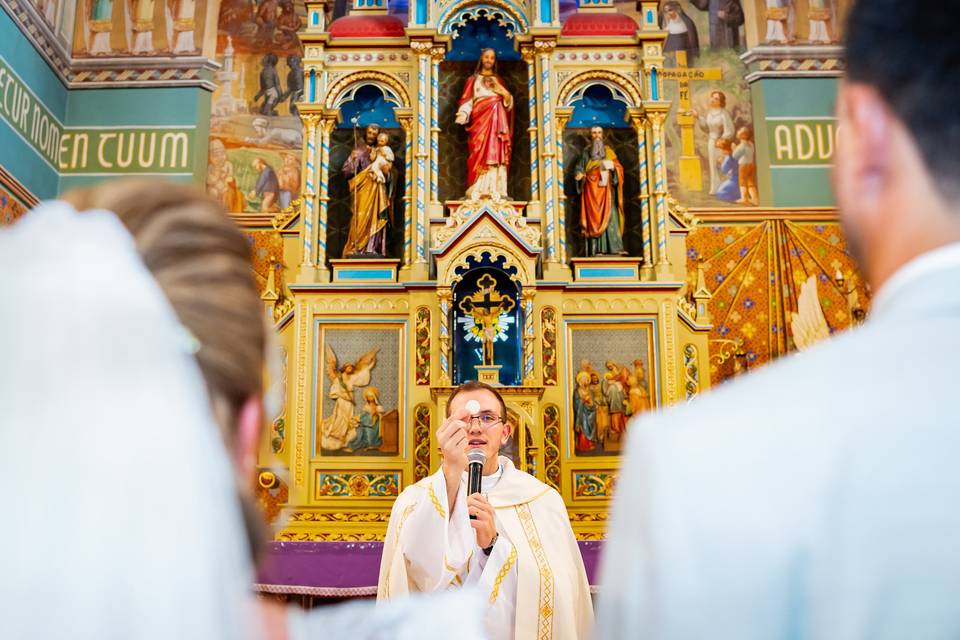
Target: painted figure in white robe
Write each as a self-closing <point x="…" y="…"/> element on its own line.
<point x="340" y="427"/>
<point x="140" y="26"/>
<point x="180" y="25"/>
<point x="519" y="552"/>
<point x="816" y="498"/>
<point x="717" y="124"/>
<point x="821" y="16"/>
<point x="779" y="21"/>
<point x="97" y="25"/>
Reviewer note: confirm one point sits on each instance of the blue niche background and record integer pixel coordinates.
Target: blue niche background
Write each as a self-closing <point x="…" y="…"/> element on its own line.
<point x="368" y="106"/>
<point x="477" y="35"/>
<point x="598" y="107"/>
<point x="467" y="348"/>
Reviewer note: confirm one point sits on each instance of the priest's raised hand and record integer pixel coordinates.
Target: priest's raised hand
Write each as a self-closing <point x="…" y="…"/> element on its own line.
<point x="520" y="551"/>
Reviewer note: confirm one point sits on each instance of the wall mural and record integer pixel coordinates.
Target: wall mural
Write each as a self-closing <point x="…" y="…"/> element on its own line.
<point x="255" y="132"/>
<point x="138" y="27"/>
<point x="10" y="208"/>
<point x="711" y="157"/>
<point x="793" y="22"/>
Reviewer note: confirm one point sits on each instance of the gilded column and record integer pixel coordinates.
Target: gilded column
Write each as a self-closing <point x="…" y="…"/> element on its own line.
<point x="445" y="296"/>
<point x="660" y="194"/>
<point x="422" y="50"/>
<point x="554" y="223"/>
<point x="529" y="56"/>
<point x="407" y="124"/>
<point x="436" y="56"/>
<point x="529" y="338"/>
<point x="324" y="200"/>
<point x="640" y="125"/>
<point x="308" y="187"/>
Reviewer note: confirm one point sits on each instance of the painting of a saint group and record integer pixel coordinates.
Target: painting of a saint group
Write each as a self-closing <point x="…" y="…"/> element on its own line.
<point x="612" y="381"/>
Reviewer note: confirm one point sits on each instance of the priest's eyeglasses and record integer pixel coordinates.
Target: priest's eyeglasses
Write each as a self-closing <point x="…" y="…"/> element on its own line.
<point x="484" y="420"/>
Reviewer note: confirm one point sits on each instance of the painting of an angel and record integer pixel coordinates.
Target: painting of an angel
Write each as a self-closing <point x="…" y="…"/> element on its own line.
<point x="340" y="427"/>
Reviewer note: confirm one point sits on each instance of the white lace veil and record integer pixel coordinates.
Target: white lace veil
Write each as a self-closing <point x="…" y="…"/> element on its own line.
<point x="120" y="512"/>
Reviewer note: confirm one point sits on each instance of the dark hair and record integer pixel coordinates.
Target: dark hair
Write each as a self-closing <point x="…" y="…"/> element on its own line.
<point x="476" y="385"/>
<point x="909" y="52"/>
<point x="723" y="96"/>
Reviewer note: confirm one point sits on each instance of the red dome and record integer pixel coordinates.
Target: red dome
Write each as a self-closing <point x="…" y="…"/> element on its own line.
<point x="361" y="26"/>
<point x="588" y="23"/>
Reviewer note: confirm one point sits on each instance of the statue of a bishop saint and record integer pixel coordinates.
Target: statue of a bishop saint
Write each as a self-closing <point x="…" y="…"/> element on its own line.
<point x="512" y="541"/>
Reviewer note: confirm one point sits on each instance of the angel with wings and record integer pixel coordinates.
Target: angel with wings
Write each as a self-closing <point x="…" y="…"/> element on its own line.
<point x="340" y="427"/>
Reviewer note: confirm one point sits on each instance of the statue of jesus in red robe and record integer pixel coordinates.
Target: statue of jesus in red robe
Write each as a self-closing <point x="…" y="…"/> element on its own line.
<point x="486" y="107"/>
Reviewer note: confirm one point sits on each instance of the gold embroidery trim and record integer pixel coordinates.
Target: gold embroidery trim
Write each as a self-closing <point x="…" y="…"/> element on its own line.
<point x="504" y="570"/>
<point x="436" y="501"/>
<point x="545" y="612"/>
<point x="447" y="566"/>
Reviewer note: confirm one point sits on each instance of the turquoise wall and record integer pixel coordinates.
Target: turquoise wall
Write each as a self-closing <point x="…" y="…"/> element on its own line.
<point x="796" y="139"/>
<point x="21" y="144"/>
<point x="68" y="138"/>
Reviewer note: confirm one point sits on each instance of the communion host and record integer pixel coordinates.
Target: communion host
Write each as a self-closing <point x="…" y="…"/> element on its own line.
<point x="519" y="551"/>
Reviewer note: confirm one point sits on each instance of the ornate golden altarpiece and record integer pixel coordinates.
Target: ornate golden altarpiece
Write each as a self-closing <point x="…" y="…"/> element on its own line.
<point x="402" y="307"/>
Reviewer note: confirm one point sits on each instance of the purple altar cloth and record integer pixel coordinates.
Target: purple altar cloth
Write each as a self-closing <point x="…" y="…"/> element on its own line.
<point x="347" y="569"/>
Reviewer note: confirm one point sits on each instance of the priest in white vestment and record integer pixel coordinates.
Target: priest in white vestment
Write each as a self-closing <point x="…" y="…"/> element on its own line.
<point x="519" y="552"/>
<point x="819" y="498"/>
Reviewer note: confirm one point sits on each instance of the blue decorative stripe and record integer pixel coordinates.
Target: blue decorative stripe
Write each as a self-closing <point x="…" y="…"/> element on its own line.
<point x="606" y="272"/>
<point x="365" y="274"/>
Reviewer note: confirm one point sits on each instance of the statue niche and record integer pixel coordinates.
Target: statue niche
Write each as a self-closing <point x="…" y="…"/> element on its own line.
<point x="367" y="178"/>
<point x="466" y="85"/>
<point x="486" y="108"/>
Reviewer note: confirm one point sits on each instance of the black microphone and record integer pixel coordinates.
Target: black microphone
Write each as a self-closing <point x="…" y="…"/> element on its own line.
<point x="476" y="458"/>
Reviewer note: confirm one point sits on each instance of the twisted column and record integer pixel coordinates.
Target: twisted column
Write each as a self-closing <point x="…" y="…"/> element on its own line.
<point x="422" y="50"/>
<point x="640" y="125"/>
<point x="436" y="56"/>
<point x="660" y="194"/>
<point x="407" y="124"/>
<point x="529" y="56"/>
<point x="324" y="199"/>
<point x="307" y="187"/>
<point x="544" y="49"/>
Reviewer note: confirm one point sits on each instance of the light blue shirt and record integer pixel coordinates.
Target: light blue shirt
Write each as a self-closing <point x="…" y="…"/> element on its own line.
<point x="816" y="498"/>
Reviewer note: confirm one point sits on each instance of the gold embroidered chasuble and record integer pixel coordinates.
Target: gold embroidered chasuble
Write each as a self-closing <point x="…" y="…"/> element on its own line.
<point x="534" y="581"/>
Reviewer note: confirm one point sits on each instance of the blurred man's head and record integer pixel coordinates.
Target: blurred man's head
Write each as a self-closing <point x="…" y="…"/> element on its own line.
<point x="897" y="167"/>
